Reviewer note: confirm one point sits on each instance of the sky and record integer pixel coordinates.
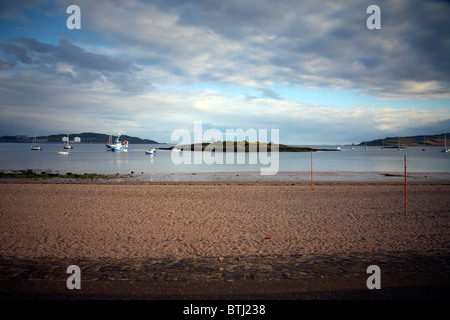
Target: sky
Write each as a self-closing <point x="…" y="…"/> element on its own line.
<point x="311" y="69"/>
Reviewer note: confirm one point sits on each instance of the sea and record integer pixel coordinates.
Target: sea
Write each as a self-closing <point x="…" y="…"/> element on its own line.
<point x="354" y="164"/>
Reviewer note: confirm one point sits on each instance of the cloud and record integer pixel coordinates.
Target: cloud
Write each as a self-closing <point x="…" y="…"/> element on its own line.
<point x="148" y="56"/>
<point x="258" y="43"/>
<point x="69" y="61"/>
<point x="303" y="43"/>
<point x="100" y="107"/>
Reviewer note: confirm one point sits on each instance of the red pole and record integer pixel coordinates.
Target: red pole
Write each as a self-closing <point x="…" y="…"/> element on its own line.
<point x="311" y="171"/>
<point x="406" y="197"/>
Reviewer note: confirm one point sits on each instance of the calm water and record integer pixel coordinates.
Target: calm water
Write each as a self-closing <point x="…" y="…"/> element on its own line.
<point x="93" y="158"/>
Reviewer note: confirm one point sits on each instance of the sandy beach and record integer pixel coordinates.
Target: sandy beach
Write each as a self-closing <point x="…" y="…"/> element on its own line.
<point x="192" y="220"/>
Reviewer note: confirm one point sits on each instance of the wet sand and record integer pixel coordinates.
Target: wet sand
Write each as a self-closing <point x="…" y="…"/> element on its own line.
<point x="285" y="176"/>
<point x="194" y="220"/>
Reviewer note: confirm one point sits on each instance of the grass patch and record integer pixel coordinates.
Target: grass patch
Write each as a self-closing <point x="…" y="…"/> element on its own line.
<point x="29" y="174"/>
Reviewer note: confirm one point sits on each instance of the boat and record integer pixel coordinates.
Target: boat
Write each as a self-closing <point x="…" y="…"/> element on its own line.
<point x="63" y="152"/>
<point x="338" y="147"/>
<point x="366" y="146"/>
<point x="121" y="146"/>
<point x="151" y="151"/>
<point x="445" y="144"/>
<point x="353" y="146"/>
<point x="34" y="146"/>
<point x="67" y="146"/>
<point x="175" y="149"/>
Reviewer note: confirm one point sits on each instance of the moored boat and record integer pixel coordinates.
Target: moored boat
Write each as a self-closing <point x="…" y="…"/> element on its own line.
<point x="67" y="146"/>
<point x="120" y="146"/>
<point x="117" y="145"/>
<point x="34" y="146"/>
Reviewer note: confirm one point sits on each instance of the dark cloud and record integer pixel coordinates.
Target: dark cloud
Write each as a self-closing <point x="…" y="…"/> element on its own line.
<point x="6" y="64"/>
<point x="231" y="18"/>
<point x="16" y="52"/>
<point x="74" y="55"/>
<point x="31" y="51"/>
<point x="81" y="65"/>
<point x="269" y="93"/>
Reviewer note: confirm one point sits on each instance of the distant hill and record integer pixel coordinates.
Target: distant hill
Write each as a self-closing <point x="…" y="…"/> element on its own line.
<point x="85" y="137"/>
<point x="429" y="140"/>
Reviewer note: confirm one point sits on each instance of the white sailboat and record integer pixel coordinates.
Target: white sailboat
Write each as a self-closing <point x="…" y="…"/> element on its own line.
<point x="34" y="146"/>
<point x="67" y="146"/>
<point x="338" y="146"/>
<point x="445" y="144"/>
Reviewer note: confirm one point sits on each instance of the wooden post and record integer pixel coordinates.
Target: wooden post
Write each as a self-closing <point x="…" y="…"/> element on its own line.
<point x="406" y="194"/>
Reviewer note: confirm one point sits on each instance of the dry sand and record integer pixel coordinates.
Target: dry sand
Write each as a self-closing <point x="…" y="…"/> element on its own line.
<point x="191" y="220"/>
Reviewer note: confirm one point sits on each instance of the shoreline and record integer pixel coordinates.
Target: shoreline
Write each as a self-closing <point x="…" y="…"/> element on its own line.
<point x="227" y="177"/>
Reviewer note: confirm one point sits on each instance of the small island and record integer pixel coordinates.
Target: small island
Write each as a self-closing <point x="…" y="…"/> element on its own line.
<point x="243" y="146"/>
